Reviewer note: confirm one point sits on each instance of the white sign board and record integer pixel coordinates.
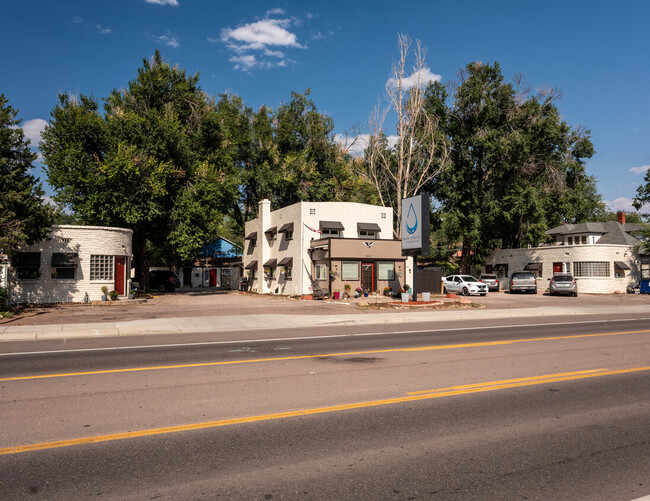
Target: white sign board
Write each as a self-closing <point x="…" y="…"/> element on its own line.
<point x="415" y="225"/>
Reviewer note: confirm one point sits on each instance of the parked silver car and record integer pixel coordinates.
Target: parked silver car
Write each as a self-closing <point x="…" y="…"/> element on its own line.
<point x="490" y="280"/>
<point x="463" y="284"/>
<point x="563" y="283"/>
<point x="523" y="281"/>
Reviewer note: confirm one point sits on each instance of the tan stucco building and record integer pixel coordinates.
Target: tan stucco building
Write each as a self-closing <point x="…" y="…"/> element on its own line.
<point x="312" y="246"/>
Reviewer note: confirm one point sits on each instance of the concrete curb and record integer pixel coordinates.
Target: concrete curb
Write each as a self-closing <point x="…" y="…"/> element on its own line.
<point x="189" y="325"/>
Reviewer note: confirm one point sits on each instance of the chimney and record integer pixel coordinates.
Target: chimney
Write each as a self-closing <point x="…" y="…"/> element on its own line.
<point x="620" y="216"/>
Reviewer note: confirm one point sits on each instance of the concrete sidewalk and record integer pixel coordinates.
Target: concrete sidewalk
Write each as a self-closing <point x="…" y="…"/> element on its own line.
<point x="217" y="324"/>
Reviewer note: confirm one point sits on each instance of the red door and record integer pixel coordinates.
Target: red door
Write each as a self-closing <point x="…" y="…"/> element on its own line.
<point x="368" y="276"/>
<point x="213" y="277"/>
<point x="120" y="274"/>
<point x="557" y="267"/>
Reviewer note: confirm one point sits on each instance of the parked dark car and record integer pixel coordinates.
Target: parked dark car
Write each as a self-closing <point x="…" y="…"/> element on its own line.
<point x="490" y="280"/>
<point x="563" y="283"/>
<point x="163" y="280"/>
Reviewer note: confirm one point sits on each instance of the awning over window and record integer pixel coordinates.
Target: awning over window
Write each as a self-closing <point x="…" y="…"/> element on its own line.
<point x="270" y="263"/>
<point x="272" y="231"/>
<point x="620" y="265"/>
<point x="26" y="260"/>
<point x="532" y="267"/>
<point x="331" y="225"/>
<point x="286" y="227"/>
<point x="368" y="227"/>
<point x="252" y="264"/>
<point x="65" y="260"/>
<point x="252" y="236"/>
<point x="500" y="267"/>
<point x="287" y="261"/>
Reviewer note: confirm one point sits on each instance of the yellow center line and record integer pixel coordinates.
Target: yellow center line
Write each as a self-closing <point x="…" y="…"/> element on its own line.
<point x="343" y="354"/>
<point x="478" y="388"/>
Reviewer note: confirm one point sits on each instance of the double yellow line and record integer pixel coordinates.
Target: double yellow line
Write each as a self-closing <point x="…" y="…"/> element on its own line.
<point x="413" y="396"/>
<point x="326" y="355"/>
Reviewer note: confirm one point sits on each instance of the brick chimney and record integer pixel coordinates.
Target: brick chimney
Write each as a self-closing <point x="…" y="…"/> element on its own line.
<point x="620" y="216"/>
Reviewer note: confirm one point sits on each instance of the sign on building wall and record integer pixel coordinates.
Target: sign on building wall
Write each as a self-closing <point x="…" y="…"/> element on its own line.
<point x="415" y="225"/>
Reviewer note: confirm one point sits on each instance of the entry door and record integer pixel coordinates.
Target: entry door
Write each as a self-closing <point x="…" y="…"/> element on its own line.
<point x="557" y="267"/>
<point x="368" y="276"/>
<point x="120" y="274"/>
<point x="213" y="277"/>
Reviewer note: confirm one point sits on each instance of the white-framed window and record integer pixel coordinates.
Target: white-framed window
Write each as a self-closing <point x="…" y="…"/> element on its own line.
<point x="385" y="270"/>
<point x="584" y="239"/>
<point x="367" y="234"/>
<point x="350" y="270"/>
<point x="101" y="267"/>
<point x="330" y="233"/>
<point x="591" y="269"/>
<point x="570" y="240"/>
<point x="321" y="272"/>
<point x="287" y="272"/>
<point x="288" y="235"/>
<point x="27" y="265"/>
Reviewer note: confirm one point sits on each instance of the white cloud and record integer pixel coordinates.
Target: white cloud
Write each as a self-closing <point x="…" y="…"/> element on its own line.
<point x="173" y="3"/>
<point x="103" y="30"/>
<point x="168" y="40"/>
<point x="252" y="44"/>
<point x="33" y="129"/>
<point x="640" y="170"/>
<point x="621" y="203"/>
<point x="77" y="20"/>
<point x="414" y="79"/>
<point x="356" y="145"/>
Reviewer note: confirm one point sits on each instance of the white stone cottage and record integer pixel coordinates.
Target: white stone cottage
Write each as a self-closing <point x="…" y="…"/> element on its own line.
<point x="282" y="246"/>
<point x="71" y="265"/>
<point x="602" y="256"/>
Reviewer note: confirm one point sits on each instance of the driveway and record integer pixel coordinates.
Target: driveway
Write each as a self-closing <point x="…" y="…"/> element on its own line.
<point x="229" y="303"/>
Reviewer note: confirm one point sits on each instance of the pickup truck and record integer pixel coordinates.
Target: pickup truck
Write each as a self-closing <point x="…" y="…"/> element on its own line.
<point x="523" y="281"/>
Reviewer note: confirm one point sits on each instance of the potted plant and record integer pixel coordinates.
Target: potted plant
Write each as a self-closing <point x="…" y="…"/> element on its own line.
<point x="387" y="291"/>
<point x="337" y="294"/>
<point x="358" y="291"/>
<point x="347" y="288"/>
<point x="405" y="294"/>
<point x="113" y="295"/>
<point x="104" y="293"/>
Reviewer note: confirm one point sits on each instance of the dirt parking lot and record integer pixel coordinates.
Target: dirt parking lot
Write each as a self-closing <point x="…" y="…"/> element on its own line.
<point x="216" y="303"/>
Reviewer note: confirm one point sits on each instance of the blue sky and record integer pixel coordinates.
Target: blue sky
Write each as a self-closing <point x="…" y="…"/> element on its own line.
<point x="596" y="53"/>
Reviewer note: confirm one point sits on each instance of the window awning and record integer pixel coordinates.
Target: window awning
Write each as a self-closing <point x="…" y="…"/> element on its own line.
<point x="272" y="231"/>
<point x="252" y="264"/>
<point x="270" y="263"/>
<point x="287" y="261"/>
<point x="532" y="267"/>
<point x="26" y="260"/>
<point x="620" y="265"/>
<point x="65" y="259"/>
<point x="251" y="236"/>
<point x="500" y="267"/>
<point x="331" y="225"/>
<point x="368" y="227"/>
<point x="286" y="227"/>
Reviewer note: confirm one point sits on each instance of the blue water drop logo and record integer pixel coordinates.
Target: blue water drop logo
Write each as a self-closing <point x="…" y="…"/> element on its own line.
<point x="411" y="221"/>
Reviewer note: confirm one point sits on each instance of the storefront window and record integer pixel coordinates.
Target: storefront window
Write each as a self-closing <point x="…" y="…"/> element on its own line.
<point x="386" y="270"/>
<point x="350" y="270"/>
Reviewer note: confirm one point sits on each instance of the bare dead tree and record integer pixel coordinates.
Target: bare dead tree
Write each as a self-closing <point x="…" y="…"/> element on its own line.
<point x="400" y="166"/>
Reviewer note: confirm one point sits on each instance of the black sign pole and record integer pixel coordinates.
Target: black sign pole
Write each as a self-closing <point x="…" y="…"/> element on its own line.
<point x="415" y="277"/>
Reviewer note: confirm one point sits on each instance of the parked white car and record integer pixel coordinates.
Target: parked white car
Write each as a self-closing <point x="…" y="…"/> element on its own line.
<point x="463" y="284"/>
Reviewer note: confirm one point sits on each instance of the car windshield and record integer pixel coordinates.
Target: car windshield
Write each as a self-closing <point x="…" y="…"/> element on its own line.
<point x="563" y="278"/>
<point x="468" y="278"/>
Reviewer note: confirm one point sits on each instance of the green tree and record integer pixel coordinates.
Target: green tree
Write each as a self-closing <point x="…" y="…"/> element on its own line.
<point x="642" y="203"/>
<point x="517" y="167"/>
<point x="24" y="217"/>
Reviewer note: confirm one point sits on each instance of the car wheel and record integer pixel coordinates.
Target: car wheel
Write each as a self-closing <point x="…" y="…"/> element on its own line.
<point x="575" y="294"/>
<point x="535" y="291"/>
<point x="483" y="293"/>
<point x="171" y="288"/>
<point x="465" y="291"/>
<point x="162" y="288"/>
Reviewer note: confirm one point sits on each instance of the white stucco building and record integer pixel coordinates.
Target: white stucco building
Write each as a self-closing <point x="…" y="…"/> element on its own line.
<point x="281" y="247"/>
<point x="602" y="256"/>
<point x="71" y="265"/>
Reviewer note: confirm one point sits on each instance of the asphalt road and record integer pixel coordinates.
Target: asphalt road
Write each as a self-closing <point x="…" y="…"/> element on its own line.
<point x="547" y="411"/>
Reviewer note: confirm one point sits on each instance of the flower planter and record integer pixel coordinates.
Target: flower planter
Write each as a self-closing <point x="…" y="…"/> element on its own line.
<point x="337" y="295"/>
<point x="365" y="294"/>
<point x="426" y="297"/>
<point x="405" y="297"/>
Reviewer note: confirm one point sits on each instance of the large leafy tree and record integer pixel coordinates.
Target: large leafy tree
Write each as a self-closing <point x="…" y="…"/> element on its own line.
<point x="24" y="217"/>
<point x="642" y="203"/>
<point x="517" y="167"/>
<point x="138" y="164"/>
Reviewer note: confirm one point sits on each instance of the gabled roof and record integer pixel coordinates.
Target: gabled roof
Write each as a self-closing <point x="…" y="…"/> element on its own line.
<point x="612" y="232"/>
